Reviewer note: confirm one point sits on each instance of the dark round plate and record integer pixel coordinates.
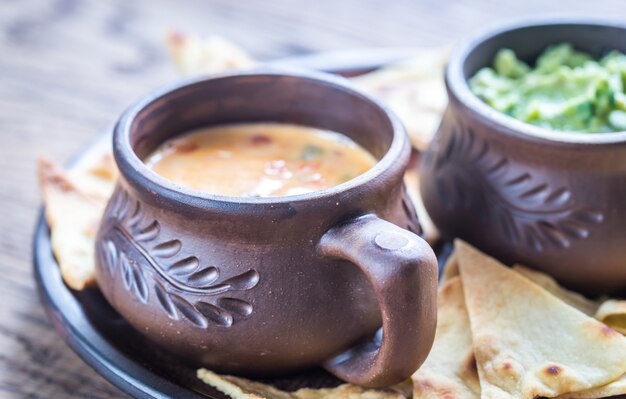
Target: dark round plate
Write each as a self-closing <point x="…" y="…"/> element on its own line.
<point x="103" y="339"/>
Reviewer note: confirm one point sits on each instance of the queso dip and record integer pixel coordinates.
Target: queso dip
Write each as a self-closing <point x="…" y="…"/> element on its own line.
<point x="260" y="159"/>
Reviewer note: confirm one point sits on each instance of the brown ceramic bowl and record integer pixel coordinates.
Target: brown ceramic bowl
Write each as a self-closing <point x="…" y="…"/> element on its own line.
<point x="552" y="200"/>
<point x="267" y="286"/>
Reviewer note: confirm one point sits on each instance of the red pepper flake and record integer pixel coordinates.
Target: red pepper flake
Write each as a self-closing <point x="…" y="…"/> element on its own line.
<point x="258" y="139"/>
<point x="177" y="37"/>
<point x="186" y="148"/>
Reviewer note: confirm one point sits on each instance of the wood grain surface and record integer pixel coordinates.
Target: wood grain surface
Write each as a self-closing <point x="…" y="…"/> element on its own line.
<point x="69" y="67"/>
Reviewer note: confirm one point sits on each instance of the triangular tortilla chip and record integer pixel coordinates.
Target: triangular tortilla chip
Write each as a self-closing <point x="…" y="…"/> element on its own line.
<point x="242" y="388"/>
<point x="613" y="313"/>
<point x="527" y="342"/>
<point x="349" y="391"/>
<point x="412" y="183"/>
<point x="194" y="55"/>
<point x="415" y="90"/>
<point x="96" y="180"/>
<point x="450" y="369"/>
<point x="613" y="389"/>
<point x="547" y="282"/>
<point x="450" y="269"/>
<point x="73" y="218"/>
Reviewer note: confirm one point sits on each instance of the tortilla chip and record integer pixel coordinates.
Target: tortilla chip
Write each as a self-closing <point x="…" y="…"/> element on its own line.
<point x="349" y="391"/>
<point x="613" y="313"/>
<point x="415" y="90"/>
<point x="450" y="269"/>
<point x="196" y="56"/>
<point x="613" y="389"/>
<point x="242" y="388"/>
<point x="412" y="183"/>
<point x="450" y="369"/>
<point x="105" y="167"/>
<point x="548" y="283"/>
<point x="404" y="388"/>
<point x="96" y="179"/>
<point x="73" y="218"/>
<point x="527" y="342"/>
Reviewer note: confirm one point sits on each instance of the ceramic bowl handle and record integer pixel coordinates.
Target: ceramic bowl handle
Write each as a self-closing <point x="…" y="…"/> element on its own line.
<point x="402" y="269"/>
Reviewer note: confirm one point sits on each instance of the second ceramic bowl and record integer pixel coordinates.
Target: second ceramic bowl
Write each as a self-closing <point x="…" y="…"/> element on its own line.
<point x="551" y="200"/>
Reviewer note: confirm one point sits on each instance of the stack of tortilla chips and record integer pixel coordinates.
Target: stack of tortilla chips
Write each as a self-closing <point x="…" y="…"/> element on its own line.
<point x="514" y="333"/>
<point x="75" y="200"/>
<point x="241" y="388"/>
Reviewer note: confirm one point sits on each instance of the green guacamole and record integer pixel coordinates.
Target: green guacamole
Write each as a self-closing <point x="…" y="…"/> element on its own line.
<point x="566" y="89"/>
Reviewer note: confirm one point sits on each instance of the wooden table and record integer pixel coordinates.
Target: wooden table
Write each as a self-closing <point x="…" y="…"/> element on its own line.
<point x="69" y="67"/>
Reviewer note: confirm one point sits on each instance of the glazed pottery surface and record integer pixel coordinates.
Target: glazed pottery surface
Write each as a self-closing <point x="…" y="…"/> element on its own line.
<point x="551" y="200"/>
<point x="267" y="286"/>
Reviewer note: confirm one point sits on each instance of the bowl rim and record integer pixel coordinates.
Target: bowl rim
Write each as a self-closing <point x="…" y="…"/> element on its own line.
<point x="142" y="178"/>
<point x="458" y="87"/>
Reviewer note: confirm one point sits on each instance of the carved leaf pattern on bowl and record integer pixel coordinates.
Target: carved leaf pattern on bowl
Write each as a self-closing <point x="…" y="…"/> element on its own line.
<point x="531" y="210"/>
<point x="181" y="284"/>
